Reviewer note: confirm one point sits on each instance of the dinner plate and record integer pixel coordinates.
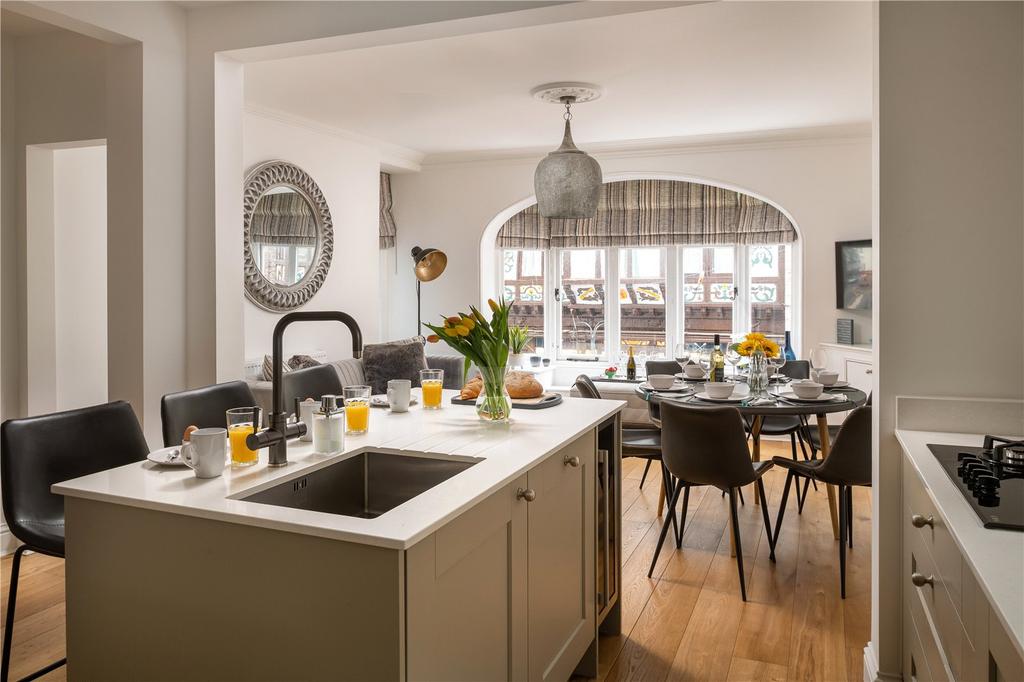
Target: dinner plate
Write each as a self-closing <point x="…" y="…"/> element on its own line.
<point x="731" y="400"/>
<point x="167" y="456"/>
<point x="793" y="397"/>
<point x="676" y="388"/>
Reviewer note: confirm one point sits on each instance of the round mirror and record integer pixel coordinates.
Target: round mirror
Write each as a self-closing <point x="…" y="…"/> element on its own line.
<point x="288" y="236"/>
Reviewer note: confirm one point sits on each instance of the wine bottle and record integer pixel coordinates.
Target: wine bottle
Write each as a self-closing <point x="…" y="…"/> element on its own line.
<point x="717" y="365"/>
<point x="787" y="350"/>
<point x="631" y="366"/>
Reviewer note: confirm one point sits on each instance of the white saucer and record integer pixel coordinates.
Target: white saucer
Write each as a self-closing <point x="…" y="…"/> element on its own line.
<point x="167" y="456"/>
<point x="733" y="399"/>
<point x="381" y="400"/>
<point x="823" y="398"/>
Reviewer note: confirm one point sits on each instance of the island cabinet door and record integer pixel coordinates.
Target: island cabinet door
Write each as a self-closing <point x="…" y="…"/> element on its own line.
<point x="466" y="594"/>
<point x="562" y="588"/>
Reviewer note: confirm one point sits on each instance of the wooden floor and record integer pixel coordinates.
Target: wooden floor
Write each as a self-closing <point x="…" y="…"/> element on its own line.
<point x="687" y="623"/>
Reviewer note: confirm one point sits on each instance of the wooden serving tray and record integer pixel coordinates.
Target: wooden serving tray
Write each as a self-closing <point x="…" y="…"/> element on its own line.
<point x="546" y="400"/>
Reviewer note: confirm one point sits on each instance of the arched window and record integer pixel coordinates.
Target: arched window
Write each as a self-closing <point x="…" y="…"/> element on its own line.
<point x="663" y="266"/>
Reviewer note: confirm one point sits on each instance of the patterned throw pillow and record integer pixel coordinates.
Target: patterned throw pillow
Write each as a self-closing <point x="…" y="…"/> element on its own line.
<point x="268" y="368"/>
<point x="393" y="360"/>
<point x="302" y="362"/>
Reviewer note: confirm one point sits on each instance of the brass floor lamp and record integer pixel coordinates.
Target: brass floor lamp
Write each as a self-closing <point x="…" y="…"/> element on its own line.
<point x="428" y="264"/>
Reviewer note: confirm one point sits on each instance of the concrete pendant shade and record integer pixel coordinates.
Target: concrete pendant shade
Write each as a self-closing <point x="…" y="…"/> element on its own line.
<point x="567" y="182"/>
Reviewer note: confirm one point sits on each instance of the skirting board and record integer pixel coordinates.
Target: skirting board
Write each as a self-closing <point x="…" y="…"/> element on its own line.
<point x="871" y="673"/>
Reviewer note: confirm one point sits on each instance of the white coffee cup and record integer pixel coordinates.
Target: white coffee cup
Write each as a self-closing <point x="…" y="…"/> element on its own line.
<point x="693" y="371"/>
<point x="398" y="394"/>
<point x="206" y="452"/>
<point x="306" y="409"/>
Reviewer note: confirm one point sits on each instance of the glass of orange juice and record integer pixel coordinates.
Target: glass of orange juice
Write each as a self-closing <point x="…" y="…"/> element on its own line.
<point x="357" y="409"/>
<point x="241" y="422"/>
<point x="431" y="383"/>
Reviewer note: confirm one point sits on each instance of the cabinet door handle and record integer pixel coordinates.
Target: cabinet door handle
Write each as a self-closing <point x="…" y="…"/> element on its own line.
<point x="526" y="494"/>
<point x="869" y="371"/>
<point x="571" y="460"/>
<point x="920" y="580"/>
<point x="918" y="521"/>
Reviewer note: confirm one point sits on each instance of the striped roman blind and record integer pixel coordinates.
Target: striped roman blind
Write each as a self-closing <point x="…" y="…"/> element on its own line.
<point x="283" y="218"/>
<point x="654" y="213"/>
<point x="388" y="229"/>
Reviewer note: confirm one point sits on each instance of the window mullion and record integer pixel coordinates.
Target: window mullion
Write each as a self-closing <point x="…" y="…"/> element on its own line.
<point x="612" y="321"/>
<point x="741" y="282"/>
<point x="673" y="299"/>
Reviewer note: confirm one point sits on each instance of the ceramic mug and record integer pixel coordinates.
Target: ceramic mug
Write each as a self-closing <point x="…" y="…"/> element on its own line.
<point x="398" y="394"/>
<point x="206" y="452"/>
<point x="306" y="409"/>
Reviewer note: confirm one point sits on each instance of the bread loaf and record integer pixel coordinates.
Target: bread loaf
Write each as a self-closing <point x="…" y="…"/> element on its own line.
<point x="523" y="385"/>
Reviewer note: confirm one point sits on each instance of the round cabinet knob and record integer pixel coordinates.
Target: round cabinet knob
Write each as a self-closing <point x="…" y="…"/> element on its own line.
<point x="920" y="580"/>
<point x="526" y="494"/>
<point x="918" y="521"/>
<point x="572" y="461"/>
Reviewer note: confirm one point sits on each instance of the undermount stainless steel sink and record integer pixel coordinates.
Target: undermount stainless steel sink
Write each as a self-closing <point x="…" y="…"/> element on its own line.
<point x="366" y="485"/>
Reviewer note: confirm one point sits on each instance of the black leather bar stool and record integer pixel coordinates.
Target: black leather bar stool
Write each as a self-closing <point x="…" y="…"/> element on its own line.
<point x="641" y="443"/>
<point x="848" y="464"/>
<point x="37" y="452"/>
<point x="708" y="446"/>
<point x="311" y="382"/>
<point x="205" y="407"/>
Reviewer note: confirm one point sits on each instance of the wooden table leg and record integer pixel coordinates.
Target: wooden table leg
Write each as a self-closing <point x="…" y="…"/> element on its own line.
<point x="825" y="445"/>
<point x="755" y="435"/>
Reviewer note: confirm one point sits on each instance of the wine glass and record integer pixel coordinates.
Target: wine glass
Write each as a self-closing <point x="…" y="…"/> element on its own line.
<point x="704" y="360"/>
<point x="733" y="357"/>
<point x="819" y="359"/>
<point x="776" y="363"/>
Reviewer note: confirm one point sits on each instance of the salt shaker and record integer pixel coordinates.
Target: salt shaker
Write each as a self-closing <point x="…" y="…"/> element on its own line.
<point x="328" y="427"/>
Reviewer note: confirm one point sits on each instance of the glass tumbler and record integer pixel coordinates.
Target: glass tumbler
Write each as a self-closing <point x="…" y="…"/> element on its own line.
<point x="431" y="384"/>
<point x="240" y="425"/>
<point x="357" y="409"/>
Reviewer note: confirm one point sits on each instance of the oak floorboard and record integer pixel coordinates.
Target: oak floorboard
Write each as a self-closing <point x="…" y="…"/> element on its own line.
<point x="747" y="670"/>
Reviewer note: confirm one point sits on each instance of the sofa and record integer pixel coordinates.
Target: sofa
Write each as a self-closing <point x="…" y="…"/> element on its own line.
<point x="350" y="371"/>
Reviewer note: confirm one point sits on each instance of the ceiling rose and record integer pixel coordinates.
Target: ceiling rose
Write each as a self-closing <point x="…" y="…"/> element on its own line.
<point x="556" y="92"/>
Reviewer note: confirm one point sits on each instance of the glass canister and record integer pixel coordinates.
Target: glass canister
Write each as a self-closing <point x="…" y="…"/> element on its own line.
<point x="329" y="427"/>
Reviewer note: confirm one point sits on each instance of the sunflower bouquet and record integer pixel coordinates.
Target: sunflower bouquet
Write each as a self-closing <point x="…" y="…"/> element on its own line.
<point x="485" y="343"/>
<point x="755" y="341"/>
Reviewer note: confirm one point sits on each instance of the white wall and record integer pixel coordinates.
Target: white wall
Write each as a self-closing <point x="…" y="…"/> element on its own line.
<point x="80" y="275"/>
<point x="825" y="184"/>
<point x="348" y="175"/>
<point x="950" y="227"/>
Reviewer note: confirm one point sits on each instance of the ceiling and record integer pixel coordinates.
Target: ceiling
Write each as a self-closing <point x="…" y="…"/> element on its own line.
<point x="706" y="69"/>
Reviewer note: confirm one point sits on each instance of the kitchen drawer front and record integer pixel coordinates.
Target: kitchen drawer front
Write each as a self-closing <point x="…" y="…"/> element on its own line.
<point x="915" y="663"/>
<point x="1005" y="663"/>
<point x="937" y="537"/>
<point x="860" y="374"/>
<point x="938" y="623"/>
<point x="931" y="649"/>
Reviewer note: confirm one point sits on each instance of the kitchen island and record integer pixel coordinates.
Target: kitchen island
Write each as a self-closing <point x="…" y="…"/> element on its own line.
<point x="433" y="547"/>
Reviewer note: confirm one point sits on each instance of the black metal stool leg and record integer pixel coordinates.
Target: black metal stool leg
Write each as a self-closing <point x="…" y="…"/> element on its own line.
<point x="12" y="598"/>
<point x="682" y="519"/>
<point x="669" y="482"/>
<point x="671" y="509"/>
<point x="736" y="541"/>
<point x="647" y="467"/>
<point x="782" y="506"/>
<point x="843" y="520"/>
<point x="767" y="521"/>
<point x="849" y="513"/>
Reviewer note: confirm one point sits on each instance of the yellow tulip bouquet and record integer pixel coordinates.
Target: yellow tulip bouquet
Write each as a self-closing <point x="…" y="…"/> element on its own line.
<point x="485" y="343"/>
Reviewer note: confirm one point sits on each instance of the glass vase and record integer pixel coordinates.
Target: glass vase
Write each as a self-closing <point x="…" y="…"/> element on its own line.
<point x="758" y="380"/>
<point x="494" y="405"/>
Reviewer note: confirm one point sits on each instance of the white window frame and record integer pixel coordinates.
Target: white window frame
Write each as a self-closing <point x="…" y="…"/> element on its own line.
<point x="675" y="310"/>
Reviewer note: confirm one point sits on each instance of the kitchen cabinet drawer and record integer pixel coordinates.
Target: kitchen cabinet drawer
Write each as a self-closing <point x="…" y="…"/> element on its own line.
<point x="859" y="374"/>
<point x="936" y="537"/>
<point x="1005" y="664"/>
<point x="938" y="623"/>
<point x="915" y="664"/>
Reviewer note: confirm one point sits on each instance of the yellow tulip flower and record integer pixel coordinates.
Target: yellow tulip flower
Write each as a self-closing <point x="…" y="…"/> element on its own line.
<point x="461" y="330"/>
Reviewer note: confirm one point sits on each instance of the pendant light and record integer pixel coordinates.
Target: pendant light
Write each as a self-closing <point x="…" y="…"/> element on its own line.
<point x="567" y="181"/>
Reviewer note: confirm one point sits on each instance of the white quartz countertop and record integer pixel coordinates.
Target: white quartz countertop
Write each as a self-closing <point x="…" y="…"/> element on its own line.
<point x="995" y="556"/>
<point x="502" y="453"/>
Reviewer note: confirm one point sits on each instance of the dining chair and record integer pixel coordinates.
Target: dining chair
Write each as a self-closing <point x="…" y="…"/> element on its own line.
<point x="203" y="407"/>
<point x="658" y="367"/>
<point x="37" y="452"/>
<point x="641" y="443"/>
<point x="311" y="382"/>
<point x="848" y="464"/>
<point x="708" y="446"/>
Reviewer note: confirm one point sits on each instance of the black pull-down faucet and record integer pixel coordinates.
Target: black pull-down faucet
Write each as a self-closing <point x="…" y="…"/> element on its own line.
<point x="276" y="437"/>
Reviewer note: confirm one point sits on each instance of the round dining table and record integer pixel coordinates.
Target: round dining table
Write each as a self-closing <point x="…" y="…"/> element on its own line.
<point x="848" y="398"/>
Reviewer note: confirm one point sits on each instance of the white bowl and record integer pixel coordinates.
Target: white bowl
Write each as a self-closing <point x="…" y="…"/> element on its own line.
<point x="806" y="389"/>
<point x="827" y="377"/>
<point x="661" y="381"/>
<point x="693" y="371"/>
<point x="719" y="389"/>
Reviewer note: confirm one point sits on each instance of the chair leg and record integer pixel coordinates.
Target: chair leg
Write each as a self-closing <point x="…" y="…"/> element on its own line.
<point x="792" y="447"/>
<point x="803" y="449"/>
<point x="667" y="485"/>
<point x="736" y="540"/>
<point x="682" y="520"/>
<point x="647" y="467"/>
<point x="767" y="521"/>
<point x="800" y="500"/>
<point x="782" y="506"/>
<point x="849" y="513"/>
<point x="664" y="526"/>
<point x="843" y="520"/>
<point x="12" y="598"/>
<point x="740" y="491"/>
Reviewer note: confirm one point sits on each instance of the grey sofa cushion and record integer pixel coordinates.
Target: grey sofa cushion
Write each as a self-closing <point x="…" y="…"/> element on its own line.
<point x="394" y="360"/>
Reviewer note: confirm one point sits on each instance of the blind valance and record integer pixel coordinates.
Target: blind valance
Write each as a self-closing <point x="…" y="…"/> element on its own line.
<point x="388" y="229"/>
<point x="654" y="213"/>
<point x="283" y="218"/>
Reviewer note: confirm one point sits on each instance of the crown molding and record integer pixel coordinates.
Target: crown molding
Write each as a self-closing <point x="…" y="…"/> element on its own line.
<point x="697" y="144"/>
<point x="394" y="157"/>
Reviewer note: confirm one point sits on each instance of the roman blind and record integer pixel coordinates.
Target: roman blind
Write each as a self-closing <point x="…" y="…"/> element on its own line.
<point x="283" y="218"/>
<point x="388" y="229"/>
<point x="654" y="213"/>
